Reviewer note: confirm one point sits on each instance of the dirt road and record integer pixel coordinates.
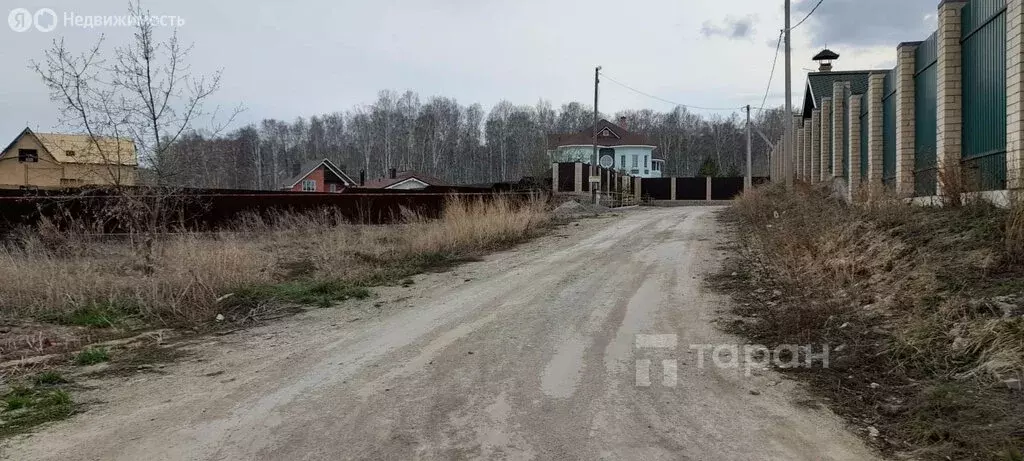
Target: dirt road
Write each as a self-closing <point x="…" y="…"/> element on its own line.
<point x="530" y="354"/>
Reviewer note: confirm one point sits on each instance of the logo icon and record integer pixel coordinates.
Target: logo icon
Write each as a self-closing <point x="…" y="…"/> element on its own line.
<point x="20" y="19"/>
<point x="45" y="19"/>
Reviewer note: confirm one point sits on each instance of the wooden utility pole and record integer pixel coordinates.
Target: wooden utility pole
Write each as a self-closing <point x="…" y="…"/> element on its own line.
<point x="787" y="161"/>
<point x="748" y="179"/>
<point x="595" y="191"/>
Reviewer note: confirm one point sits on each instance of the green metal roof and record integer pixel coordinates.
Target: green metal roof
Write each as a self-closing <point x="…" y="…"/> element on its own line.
<point x="819" y="85"/>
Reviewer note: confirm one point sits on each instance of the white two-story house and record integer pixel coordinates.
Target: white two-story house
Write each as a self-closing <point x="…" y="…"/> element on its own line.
<point x="617" y="148"/>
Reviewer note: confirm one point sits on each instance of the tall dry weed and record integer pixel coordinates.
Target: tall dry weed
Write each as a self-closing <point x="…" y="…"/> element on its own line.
<point x="180" y="278"/>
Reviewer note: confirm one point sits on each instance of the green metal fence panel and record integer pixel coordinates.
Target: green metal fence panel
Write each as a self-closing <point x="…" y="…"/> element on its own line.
<point x="863" y="137"/>
<point x="984" y="94"/>
<point x="846" y="135"/>
<point x="925" y="114"/>
<point x="889" y="130"/>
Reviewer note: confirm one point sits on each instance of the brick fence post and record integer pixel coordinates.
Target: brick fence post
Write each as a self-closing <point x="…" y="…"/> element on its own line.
<point x="672" y="187"/>
<point x="853" y="111"/>
<point x="826" y="138"/>
<point x="807" y="149"/>
<point x="949" y="102"/>
<point x="707" y="189"/>
<point x="799" y="164"/>
<point x="1015" y="94"/>
<point x="577" y="183"/>
<point x="906" y="146"/>
<point x="838" y="127"/>
<point x="815" y="174"/>
<point x="876" y="138"/>
<point x="554" y="177"/>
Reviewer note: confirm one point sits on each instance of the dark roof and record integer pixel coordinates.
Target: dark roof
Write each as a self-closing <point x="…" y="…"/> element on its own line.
<point x="826" y="55"/>
<point x="618" y="136"/>
<point x="819" y="85"/>
<point x="384" y="183"/>
<point x="312" y="165"/>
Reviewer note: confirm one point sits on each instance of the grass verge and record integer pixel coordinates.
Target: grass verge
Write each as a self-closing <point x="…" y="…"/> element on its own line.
<point x="25" y="407"/>
<point x="920" y="307"/>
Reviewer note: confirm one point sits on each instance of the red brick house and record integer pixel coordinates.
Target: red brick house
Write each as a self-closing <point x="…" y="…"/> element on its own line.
<point x="319" y="176"/>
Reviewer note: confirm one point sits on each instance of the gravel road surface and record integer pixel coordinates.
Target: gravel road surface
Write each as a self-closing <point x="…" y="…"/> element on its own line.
<point x="529" y="354"/>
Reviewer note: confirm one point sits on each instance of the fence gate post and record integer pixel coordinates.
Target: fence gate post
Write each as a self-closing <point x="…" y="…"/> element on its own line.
<point x="708" y="188"/>
<point x="554" y="177"/>
<point x="577" y="182"/>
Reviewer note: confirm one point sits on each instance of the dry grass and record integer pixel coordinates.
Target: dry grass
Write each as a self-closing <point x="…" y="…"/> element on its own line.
<point x="182" y="280"/>
<point x="927" y="302"/>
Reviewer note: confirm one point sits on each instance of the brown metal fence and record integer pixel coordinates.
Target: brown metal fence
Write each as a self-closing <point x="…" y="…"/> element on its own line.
<point x="204" y="210"/>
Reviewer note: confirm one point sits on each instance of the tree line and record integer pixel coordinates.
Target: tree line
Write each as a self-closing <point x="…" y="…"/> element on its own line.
<point x="458" y="143"/>
<point x="143" y="91"/>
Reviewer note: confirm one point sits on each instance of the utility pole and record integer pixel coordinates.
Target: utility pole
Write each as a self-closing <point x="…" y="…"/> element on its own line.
<point x="595" y="190"/>
<point x="748" y="180"/>
<point x="787" y="160"/>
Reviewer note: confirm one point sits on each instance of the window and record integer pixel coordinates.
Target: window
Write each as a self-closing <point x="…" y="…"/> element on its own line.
<point x="622" y="162"/>
<point x="645" y="161"/>
<point x="656" y="166"/>
<point x="309" y="185"/>
<point x="69" y="153"/>
<point x="28" y="155"/>
<point x="636" y="161"/>
<point x="334" y="187"/>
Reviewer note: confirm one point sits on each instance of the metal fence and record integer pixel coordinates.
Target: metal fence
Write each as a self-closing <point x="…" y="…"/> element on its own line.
<point x="115" y="211"/>
<point x="845" y="139"/>
<point x="984" y="94"/>
<point x="863" y="137"/>
<point x="925" y="114"/>
<point x="889" y="130"/>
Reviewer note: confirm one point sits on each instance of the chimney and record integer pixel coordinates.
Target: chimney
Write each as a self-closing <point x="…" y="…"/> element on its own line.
<point x="624" y="123"/>
<point x="825" y="58"/>
<point x="393" y="173"/>
<point x="362" y="177"/>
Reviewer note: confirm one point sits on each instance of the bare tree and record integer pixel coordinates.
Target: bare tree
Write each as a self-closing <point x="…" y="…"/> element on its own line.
<point x="145" y="92"/>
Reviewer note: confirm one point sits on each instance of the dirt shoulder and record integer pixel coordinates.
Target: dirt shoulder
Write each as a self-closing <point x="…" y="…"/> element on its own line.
<point x="921" y="309"/>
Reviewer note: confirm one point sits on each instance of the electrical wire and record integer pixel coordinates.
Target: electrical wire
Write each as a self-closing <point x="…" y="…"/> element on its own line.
<point x="808" y="15"/>
<point x="689" y="106"/>
<point x="778" y="46"/>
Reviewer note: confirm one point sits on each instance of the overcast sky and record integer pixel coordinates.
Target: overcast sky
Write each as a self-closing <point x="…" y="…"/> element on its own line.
<point x="300" y="58"/>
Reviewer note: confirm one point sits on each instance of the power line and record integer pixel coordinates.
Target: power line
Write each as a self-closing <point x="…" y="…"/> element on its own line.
<point x="663" y="99"/>
<point x="808" y="15"/>
<point x="771" y="76"/>
<point x="778" y="46"/>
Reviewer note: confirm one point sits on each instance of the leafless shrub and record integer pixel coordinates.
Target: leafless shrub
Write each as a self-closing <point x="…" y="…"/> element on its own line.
<point x="952" y="185"/>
